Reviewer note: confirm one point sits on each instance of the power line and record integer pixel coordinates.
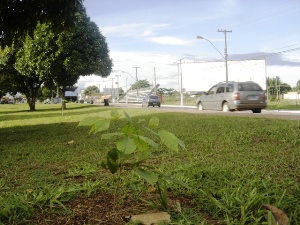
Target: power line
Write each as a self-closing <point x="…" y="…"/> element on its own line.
<point x="267" y="15"/>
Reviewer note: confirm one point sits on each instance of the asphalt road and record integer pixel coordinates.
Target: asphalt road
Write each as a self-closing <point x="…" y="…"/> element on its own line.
<point x="279" y="114"/>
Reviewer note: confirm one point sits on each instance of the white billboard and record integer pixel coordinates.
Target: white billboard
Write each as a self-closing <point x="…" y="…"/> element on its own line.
<point x="200" y="76"/>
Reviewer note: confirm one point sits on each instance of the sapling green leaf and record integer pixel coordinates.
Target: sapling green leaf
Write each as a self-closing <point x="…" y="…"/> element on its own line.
<point x="149" y="141"/>
<point x="115" y="115"/>
<point x="128" y="118"/>
<point x="153" y="122"/>
<point x="126" y="145"/>
<point x="150" y="131"/>
<point x="149" y="176"/>
<point x="100" y="125"/>
<point x="168" y="139"/>
<point x="141" y="120"/>
<point x="89" y="121"/>
<point x="112" y="160"/>
<point x="140" y="144"/>
<point x="129" y="130"/>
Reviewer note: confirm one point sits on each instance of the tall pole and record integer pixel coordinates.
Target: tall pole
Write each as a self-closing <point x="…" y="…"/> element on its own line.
<point x="126" y="91"/>
<point x="137" y="89"/>
<point x="118" y="87"/>
<point x="181" y="94"/>
<point x="225" y="51"/>
<point x="112" y="88"/>
<point x="155" y="80"/>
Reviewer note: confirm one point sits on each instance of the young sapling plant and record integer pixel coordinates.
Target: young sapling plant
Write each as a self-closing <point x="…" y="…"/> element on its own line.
<point x="135" y="143"/>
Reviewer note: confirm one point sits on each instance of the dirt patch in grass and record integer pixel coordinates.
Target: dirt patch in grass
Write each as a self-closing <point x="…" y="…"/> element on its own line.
<point x="99" y="209"/>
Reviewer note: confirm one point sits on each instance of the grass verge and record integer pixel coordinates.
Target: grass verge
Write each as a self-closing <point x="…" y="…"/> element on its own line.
<point x="233" y="165"/>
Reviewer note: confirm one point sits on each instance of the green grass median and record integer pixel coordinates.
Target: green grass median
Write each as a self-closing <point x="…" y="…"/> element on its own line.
<point x="233" y="165"/>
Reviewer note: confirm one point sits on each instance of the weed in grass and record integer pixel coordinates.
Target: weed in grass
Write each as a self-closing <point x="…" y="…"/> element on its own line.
<point x="82" y="170"/>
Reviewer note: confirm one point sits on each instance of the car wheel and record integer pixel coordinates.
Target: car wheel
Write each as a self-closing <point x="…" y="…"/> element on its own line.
<point x="256" y="110"/>
<point x="158" y="105"/>
<point x="200" y="106"/>
<point x="225" y="107"/>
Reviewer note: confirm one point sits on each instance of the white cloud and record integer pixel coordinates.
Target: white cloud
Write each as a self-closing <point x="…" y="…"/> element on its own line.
<point x="168" y="40"/>
<point x="133" y="29"/>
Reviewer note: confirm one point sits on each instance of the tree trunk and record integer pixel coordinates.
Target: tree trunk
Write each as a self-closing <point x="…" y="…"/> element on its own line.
<point x="31" y="102"/>
<point x="63" y="99"/>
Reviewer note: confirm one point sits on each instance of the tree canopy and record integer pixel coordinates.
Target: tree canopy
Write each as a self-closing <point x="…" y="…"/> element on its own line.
<point x="49" y="58"/>
<point x="140" y="84"/>
<point x="277" y="87"/>
<point x="91" y="90"/>
<point x="19" y="17"/>
<point x="298" y="85"/>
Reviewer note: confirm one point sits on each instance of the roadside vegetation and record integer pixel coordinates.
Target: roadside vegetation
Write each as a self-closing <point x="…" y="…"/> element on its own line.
<point x="231" y="166"/>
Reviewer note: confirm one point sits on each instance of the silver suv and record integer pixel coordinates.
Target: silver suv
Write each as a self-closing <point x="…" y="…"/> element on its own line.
<point x="233" y="96"/>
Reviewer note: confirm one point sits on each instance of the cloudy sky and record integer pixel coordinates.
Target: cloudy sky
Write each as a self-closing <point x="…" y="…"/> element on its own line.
<point x="154" y="35"/>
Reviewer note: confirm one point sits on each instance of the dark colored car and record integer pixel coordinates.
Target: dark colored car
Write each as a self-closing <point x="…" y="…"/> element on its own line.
<point x="233" y="96"/>
<point x="151" y="100"/>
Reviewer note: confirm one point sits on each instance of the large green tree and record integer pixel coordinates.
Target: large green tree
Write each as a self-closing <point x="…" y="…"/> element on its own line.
<point x="276" y="87"/>
<point x="5" y="85"/>
<point x="140" y="84"/>
<point x="50" y="58"/>
<point x="91" y="90"/>
<point x="298" y="86"/>
<point x="33" y="62"/>
<point x="19" y="17"/>
<point x="82" y="51"/>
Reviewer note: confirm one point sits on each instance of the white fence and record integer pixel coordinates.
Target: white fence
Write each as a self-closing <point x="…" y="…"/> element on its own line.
<point x="292" y="95"/>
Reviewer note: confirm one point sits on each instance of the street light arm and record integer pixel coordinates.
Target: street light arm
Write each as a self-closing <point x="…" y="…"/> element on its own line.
<point x="199" y="37"/>
<point x="128" y="74"/>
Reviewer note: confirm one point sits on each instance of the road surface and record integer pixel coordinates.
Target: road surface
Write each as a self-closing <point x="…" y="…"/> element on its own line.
<point x="279" y="114"/>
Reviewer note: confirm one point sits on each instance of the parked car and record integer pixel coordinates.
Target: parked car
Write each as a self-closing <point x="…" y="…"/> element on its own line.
<point x="11" y="101"/>
<point x="233" y="96"/>
<point x="47" y="101"/>
<point x="4" y="100"/>
<point x="151" y="100"/>
<point x="24" y="100"/>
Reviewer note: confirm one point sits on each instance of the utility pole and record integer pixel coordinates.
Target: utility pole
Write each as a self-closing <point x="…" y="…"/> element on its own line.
<point x="180" y="87"/>
<point x="155" y="80"/>
<point x="118" y="87"/>
<point x="126" y="91"/>
<point x="225" y="51"/>
<point x="136" y="67"/>
<point x="112" y="88"/>
<point x="137" y="89"/>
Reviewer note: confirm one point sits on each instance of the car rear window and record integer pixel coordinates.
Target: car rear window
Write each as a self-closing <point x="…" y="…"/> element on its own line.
<point x="153" y="97"/>
<point x="249" y="87"/>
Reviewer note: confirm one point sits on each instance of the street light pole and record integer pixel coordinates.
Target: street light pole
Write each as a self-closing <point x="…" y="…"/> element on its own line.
<point x="137" y="89"/>
<point x="181" y="94"/>
<point x="112" y="88"/>
<point x="118" y="87"/>
<point x="225" y="50"/>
